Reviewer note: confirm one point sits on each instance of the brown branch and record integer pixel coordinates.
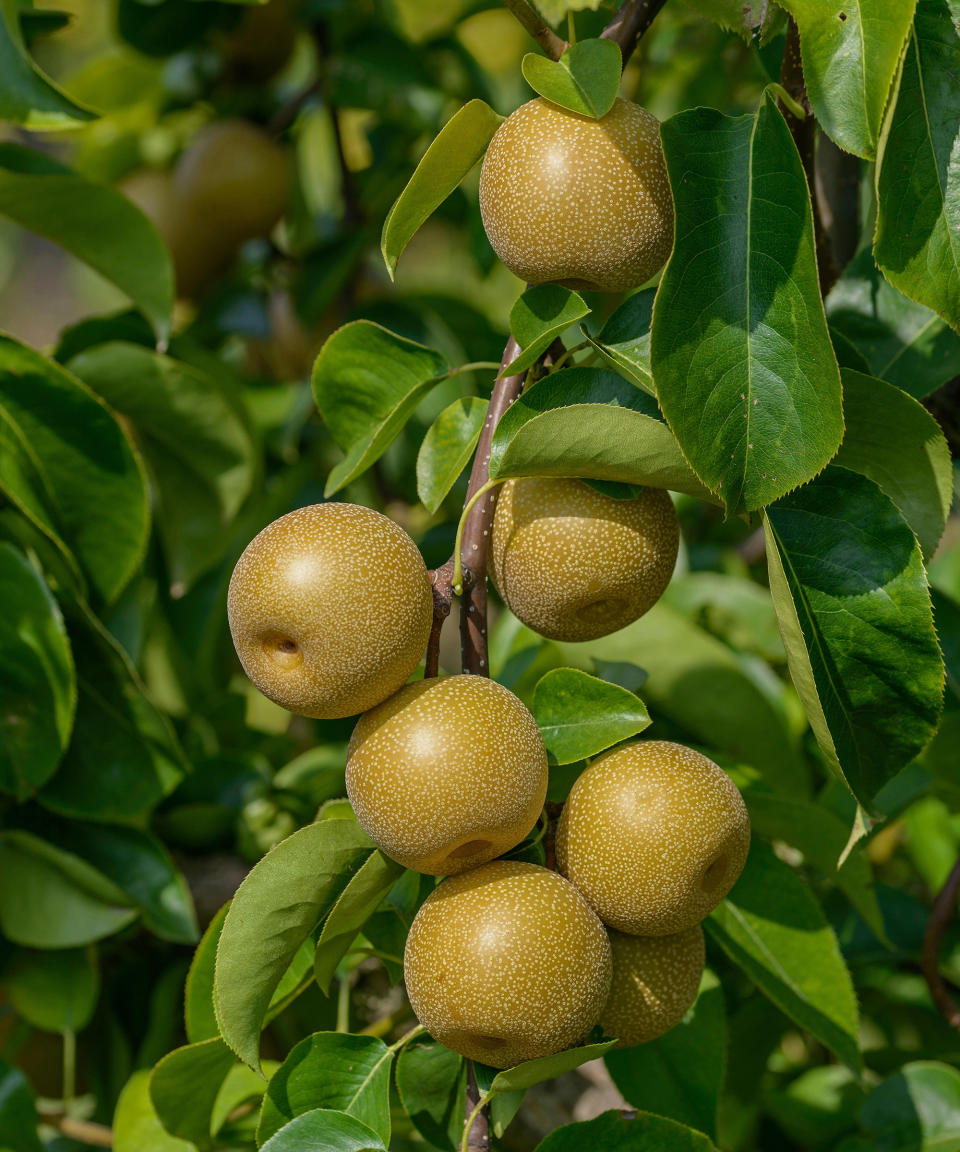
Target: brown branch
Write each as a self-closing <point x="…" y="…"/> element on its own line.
<point x="441" y="579"/>
<point x="804" y="133"/>
<point x="85" y="1131"/>
<point x="630" y="23"/>
<point x="285" y="115"/>
<point x="479" y="1137"/>
<point x="537" y="28"/>
<point x="944" y="908"/>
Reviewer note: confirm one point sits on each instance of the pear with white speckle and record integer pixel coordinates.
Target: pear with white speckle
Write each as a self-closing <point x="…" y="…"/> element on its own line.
<point x="447" y="774"/>
<point x="330" y="609"/>
<point x="655" y="980"/>
<point x="581" y="202"/>
<point x="654" y="835"/>
<point x="507" y="963"/>
<point x="573" y="563"/>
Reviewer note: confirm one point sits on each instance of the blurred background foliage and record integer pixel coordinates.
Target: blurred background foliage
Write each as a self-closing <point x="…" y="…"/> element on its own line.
<point x="205" y="774"/>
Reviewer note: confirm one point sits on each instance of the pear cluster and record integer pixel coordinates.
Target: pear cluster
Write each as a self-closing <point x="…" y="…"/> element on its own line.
<point x="330" y="608"/>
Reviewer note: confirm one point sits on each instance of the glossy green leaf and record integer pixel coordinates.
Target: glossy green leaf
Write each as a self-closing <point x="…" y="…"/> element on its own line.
<point x="851" y="596"/>
<point x="624" y="340"/>
<point x="67" y="465"/>
<point x="52" y="899"/>
<point x="184" y="1087"/>
<point x="447" y="448"/>
<point x="367" y="382"/>
<point x="614" y="1132"/>
<point x="579" y="715"/>
<point x="38" y="689"/>
<point x="27" y="97"/>
<point x="745" y="371"/>
<point x="851" y="52"/>
<point x="540" y="316"/>
<point x="901" y="341"/>
<point x="18" y="1111"/>
<point x="54" y="991"/>
<point x="102" y="227"/>
<point x="197" y="446"/>
<point x="585" y="79"/>
<point x="457" y="148"/>
<point x="680" y="1074"/>
<point x="589" y="423"/>
<point x="325" y="1130"/>
<point x="432" y="1082"/>
<point x="331" y="1070"/>
<point x="917" y="241"/>
<point x="282" y="900"/>
<point x="915" y="1110"/>
<point x="530" y="1072"/>
<point x="772" y="927"/>
<point x="136" y="1126"/>
<point x="894" y="441"/>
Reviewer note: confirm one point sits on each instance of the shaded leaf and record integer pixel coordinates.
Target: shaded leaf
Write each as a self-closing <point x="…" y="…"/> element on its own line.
<point x="18" y="1111"/>
<point x="28" y="97"/>
<point x="184" y="1087"/>
<point x="539" y="317"/>
<point x="198" y="1012"/>
<point x="432" y="1082"/>
<point x="579" y="715"/>
<point x="54" y="991"/>
<point x="915" y="1110"/>
<point x="613" y="1132"/>
<point x="136" y="1126"/>
<point x="324" y="1130"/>
<point x="447" y="448"/>
<point x="624" y="340"/>
<point x="530" y="1072"/>
<point x="584" y="80"/>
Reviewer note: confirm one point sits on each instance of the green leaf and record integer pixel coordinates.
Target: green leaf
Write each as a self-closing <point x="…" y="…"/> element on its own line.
<point x="54" y="991"/>
<point x="854" y="611"/>
<point x="241" y="1086"/>
<point x="530" y="1072"/>
<point x="745" y="371"/>
<point x="331" y="1070"/>
<point x="901" y="341"/>
<point x="680" y="1074"/>
<point x="447" y="448"/>
<point x="195" y="441"/>
<point x="579" y="715"/>
<point x="539" y="317"/>
<point x="279" y="904"/>
<point x="894" y="441"/>
<point x="737" y="610"/>
<point x="38" y="690"/>
<point x="613" y="1132"/>
<point x="584" y="80"/>
<point x="52" y="899"/>
<point x="915" y="1110"/>
<point x="367" y="382"/>
<point x="772" y="927"/>
<point x="93" y="222"/>
<point x="18" y="1111"/>
<point x="589" y="423"/>
<point x="432" y="1082"/>
<point x="357" y="903"/>
<point x="457" y="148"/>
<point x="27" y="97"/>
<point x="324" y="1130"/>
<point x="917" y="241"/>
<point x="624" y="341"/>
<point x="198" y="1011"/>
<point x="184" y="1087"/>
<point x="136" y="1126"/>
<point x="851" y="53"/>
<point x="67" y="465"/>
<point x="744" y="18"/>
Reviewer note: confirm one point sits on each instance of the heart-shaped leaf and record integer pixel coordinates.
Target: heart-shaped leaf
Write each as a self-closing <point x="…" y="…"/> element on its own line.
<point x="541" y="315"/>
<point x="579" y="715"/>
<point x="584" y="80"/>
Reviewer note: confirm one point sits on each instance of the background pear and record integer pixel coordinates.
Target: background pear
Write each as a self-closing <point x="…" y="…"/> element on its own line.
<point x="582" y="202"/>
<point x="330" y="609"/>
<point x="654" y="835"/>
<point x="507" y="963"/>
<point x="575" y="564"/>
<point x="447" y="774"/>
<point x="655" y="980"/>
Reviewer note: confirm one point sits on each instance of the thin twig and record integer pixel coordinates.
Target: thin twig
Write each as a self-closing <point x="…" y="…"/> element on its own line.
<point x="478" y="1138"/>
<point x="944" y="908"/>
<point x="442" y="599"/>
<point x="630" y="23"/>
<point x="537" y="28"/>
<point x="287" y="113"/>
<point x="83" y="1130"/>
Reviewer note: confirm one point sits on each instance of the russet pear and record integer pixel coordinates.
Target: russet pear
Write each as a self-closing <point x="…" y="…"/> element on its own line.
<point x="507" y="963"/>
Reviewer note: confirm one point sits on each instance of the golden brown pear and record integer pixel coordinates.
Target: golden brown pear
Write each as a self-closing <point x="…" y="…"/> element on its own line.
<point x="655" y="980"/>
<point x="582" y="202"/>
<point x="447" y="774"/>
<point x="654" y="835"/>
<point x="575" y="564"/>
<point x="234" y="178"/>
<point x="330" y="609"/>
<point x="507" y="963"/>
<point x="261" y="43"/>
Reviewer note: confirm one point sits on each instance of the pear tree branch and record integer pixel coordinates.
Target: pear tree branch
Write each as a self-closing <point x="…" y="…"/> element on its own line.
<point x="536" y="27"/>
<point x="944" y="909"/>
<point x="630" y="23"/>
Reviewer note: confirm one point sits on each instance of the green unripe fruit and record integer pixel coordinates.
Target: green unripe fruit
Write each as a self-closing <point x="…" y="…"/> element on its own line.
<point x="507" y="963"/>
<point x="447" y="774"/>
<point x="330" y="609"/>
<point x="655" y="980"/>
<point x="654" y="835"/>
<point x="574" y="564"/>
<point x="582" y="202"/>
